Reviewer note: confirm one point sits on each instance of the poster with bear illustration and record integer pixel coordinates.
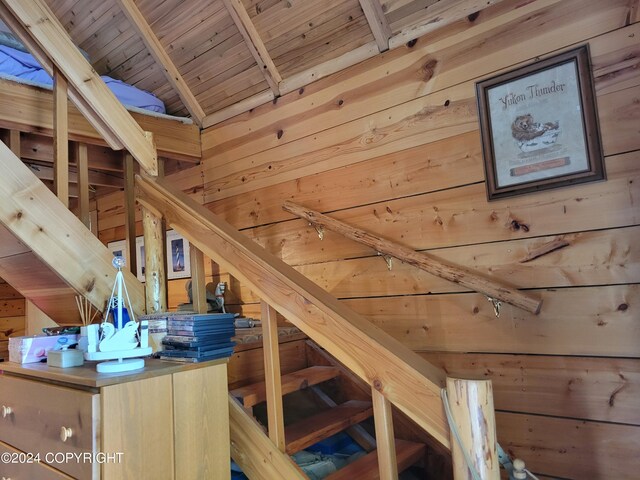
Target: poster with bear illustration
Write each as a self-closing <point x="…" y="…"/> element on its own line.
<point x="539" y="126"/>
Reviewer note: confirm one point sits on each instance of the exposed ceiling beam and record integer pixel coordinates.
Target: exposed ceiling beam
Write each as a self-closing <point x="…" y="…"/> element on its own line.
<point x="159" y="54"/>
<point x="53" y="39"/>
<point x="377" y="22"/>
<point x="254" y="42"/>
<point x="439" y="14"/>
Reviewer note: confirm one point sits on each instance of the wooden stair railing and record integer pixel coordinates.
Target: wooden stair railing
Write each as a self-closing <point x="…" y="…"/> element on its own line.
<point x="493" y="288"/>
<point x="405" y="379"/>
<point x="396" y="375"/>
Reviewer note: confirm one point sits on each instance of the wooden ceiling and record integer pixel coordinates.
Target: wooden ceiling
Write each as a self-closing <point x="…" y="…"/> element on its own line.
<point x="212" y="58"/>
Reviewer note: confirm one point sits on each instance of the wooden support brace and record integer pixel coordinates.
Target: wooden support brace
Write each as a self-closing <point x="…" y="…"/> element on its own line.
<point x="377" y="22"/>
<point x="14" y="143"/>
<point x="198" y="288"/>
<point x="256" y="46"/>
<point x="60" y="137"/>
<point x="490" y="287"/>
<point x="155" y="277"/>
<point x="272" y="375"/>
<point x="471" y="405"/>
<point x="383" y="419"/>
<point x="159" y="54"/>
<point x="130" y="212"/>
<point x="82" y="157"/>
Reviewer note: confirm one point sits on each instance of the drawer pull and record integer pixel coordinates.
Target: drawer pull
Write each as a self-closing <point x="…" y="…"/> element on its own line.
<point x="65" y="434"/>
<point x="6" y="411"/>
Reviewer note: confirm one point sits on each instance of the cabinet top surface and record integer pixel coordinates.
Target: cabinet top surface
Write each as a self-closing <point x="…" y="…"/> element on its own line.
<point x="87" y="376"/>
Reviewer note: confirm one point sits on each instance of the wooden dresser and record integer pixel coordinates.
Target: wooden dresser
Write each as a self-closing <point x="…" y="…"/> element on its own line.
<point x="168" y="421"/>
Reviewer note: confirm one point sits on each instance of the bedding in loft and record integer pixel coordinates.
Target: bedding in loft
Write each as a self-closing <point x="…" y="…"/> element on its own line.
<point x="24" y="66"/>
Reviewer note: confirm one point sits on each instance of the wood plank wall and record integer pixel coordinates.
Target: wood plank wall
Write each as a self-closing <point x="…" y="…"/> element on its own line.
<point x="392" y="145"/>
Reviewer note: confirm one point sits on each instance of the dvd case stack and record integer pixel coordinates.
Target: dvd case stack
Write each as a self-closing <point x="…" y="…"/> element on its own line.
<point x="198" y="337"/>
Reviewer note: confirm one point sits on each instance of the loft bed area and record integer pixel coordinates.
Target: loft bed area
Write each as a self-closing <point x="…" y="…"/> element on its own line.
<point x="18" y="65"/>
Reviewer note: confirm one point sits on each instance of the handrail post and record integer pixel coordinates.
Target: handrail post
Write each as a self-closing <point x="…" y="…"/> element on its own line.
<point x="60" y="137"/>
<point x="82" y="167"/>
<point x="155" y="277"/>
<point x="471" y="404"/>
<point x="272" y="379"/>
<point x="386" y="444"/>
<point x="130" y="211"/>
<point x="198" y="287"/>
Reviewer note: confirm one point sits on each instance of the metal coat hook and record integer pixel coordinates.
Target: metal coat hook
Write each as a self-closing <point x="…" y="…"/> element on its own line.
<point x="388" y="259"/>
<point x="496" y="305"/>
<point x="319" y="230"/>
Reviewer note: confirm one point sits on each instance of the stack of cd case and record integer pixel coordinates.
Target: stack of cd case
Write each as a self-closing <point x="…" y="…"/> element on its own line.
<point x="198" y="337"/>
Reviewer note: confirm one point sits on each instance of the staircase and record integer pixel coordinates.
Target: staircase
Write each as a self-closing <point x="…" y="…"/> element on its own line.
<point x="394" y="375"/>
<point x="46" y="253"/>
<point x="302" y="434"/>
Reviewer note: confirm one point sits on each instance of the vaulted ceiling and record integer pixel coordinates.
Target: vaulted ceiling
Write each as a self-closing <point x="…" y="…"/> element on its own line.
<point x="247" y="51"/>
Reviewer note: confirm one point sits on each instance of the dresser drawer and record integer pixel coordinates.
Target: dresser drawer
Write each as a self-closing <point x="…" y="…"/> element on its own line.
<point x="14" y="470"/>
<point x="46" y="419"/>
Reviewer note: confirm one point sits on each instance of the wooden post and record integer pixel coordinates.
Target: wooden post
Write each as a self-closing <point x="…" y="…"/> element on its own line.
<point x="83" y="183"/>
<point x="272" y="379"/>
<point x="471" y="403"/>
<point x="14" y="143"/>
<point x="198" y="287"/>
<point x="383" y="419"/>
<point x="155" y="277"/>
<point x="60" y="138"/>
<point x="130" y="211"/>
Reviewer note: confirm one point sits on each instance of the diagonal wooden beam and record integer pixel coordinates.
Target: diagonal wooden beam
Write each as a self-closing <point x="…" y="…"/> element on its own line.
<point x="377" y="22"/>
<point x="52" y="39"/>
<point x="18" y="29"/>
<point x="254" y="42"/>
<point x="438" y="15"/>
<point x="159" y="54"/>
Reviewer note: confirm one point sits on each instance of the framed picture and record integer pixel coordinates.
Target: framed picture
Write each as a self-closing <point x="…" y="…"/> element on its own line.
<point x="119" y="249"/>
<point x="539" y="126"/>
<point x="140" y="260"/>
<point x="178" y="258"/>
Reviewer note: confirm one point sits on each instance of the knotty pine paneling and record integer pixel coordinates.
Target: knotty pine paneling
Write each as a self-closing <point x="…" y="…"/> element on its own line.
<point x="600" y="257"/>
<point x="569" y="448"/>
<point x="462" y="216"/>
<point x="591" y="388"/>
<point x="493" y="42"/>
<point x="392" y="145"/>
<point x="597" y="321"/>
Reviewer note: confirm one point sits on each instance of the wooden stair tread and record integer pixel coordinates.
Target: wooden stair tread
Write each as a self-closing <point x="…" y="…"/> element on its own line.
<point x="324" y="424"/>
<point x="251" y="395"/>
<point x="407" y="453"/>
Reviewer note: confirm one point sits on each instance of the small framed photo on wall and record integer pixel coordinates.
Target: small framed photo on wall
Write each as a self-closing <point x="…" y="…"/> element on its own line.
<point x="119" y="249"/>
<point x="178" y="258"/>
<point x="539" y="126"/>
<point x="140" y="260"/>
